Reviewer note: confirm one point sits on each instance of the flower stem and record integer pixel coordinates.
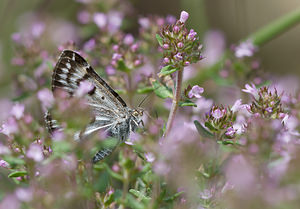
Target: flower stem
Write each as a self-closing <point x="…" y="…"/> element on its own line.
<point x="275" y="28"/>
<point x="176" y="99"/>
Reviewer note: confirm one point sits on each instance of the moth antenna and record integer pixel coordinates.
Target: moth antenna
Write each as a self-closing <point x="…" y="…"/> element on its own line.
<point x="143" y="100"/>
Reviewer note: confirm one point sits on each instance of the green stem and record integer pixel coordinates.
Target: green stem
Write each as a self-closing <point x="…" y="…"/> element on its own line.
<point x="275" y="28"/>
<point x="176" y="99"/>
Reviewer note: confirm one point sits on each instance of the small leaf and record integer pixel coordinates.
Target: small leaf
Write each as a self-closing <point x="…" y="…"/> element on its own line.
<point x="139" y="194"/>
<point x="208" y="125"/>
<point x="167" y="70"/>
<point x="159" y="39"/>
<point x="17" y="174"/>
<point x="145" y="90"/>
<point x="122" y="66"/>
<point x="187" y="103"/>
<point x="203" y="131"/>
<point x="13" y="161"/>
<point x="161" y="90"/>
<point x="173" y="197"/>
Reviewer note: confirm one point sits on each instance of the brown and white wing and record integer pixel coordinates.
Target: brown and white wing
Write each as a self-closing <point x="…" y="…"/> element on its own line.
<point x="107" y="105"/>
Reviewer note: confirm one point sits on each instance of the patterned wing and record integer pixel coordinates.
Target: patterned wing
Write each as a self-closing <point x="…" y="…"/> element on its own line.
<point x="107" y="105"/>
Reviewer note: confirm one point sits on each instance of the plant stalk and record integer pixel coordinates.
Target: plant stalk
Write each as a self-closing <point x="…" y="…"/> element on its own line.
<point x="176" y="99"/>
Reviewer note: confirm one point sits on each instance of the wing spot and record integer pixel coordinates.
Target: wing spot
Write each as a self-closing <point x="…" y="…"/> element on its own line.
<point x="68" y="65"/>
<point x="102" y="97"/>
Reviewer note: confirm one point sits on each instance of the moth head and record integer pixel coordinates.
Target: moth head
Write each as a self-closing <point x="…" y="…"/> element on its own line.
<point x="137" y="115"/>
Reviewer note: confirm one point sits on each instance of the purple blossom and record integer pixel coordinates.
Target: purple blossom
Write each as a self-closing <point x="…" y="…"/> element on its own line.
<point x="110" y="70"/>
<point x="37" y="29"/>
<point x="16" y="37"/>
<point x="251" y="90"/>
<point x="84" y="87"/>
<point x="9" y="127"/>
<point x="115" y="20"/>
<point x="192" y="35"/>
<point x="3" y="164"/>
<point x="128" y="39"/>
<point x="83" y="17"/>
<point x="35" y="152"/>
<point x="206" y="194"/>
<point x="166" y="46"/>
<point x="230" y="132"/>
<point x="18" y="111"/>
<point x="24" y="194"/>
<point x="170" y="19"/>
<point x="144" y="22"/>
<point x="176" y="29"/>
<point x="237" y="106"/>
<point x="245" y="49"/>
<point x="180" y="45"/>
<point x="46" y="97"/>
<point x="90" y="45"/>
<point x="183" y="16"/>
<point x="100" y="20"/>
<point x="196" y="91"/>
<point x="166" y="60"/>
<point x="134" y="47"/>
<point x="150" y="157"/>
<point x="116" y="56"/>
<point x="178" y="56"/>
<point x="217" y="113"/>
<point x="4" y="150"/>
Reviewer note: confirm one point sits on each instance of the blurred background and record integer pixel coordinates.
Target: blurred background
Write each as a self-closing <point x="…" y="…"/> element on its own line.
<point x="234" y="18"/>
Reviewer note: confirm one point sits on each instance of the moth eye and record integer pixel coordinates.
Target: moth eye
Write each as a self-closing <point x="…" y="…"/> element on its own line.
<point x="135" y="113"/>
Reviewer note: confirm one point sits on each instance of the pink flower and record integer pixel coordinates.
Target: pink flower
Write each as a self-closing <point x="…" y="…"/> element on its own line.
<point x="110" y="70"/>
<point x="128" y="39"/>
<point x="245" y="49"/>
<point x="18" y="61"/>
<point x="144" y="22"/>
<point x="35" y="152"/>
<point x="251" y="90"/>
<point x="100" y="20"/>
<point x="24" y="194"/>
<point x="18" y="110"/>
<point x="37" y="29"/>
<point x="237" y="106"/>
<point x="3" y="164"/>
<point x="217" y="113"/>
<point x="184" y="16"/>
<point x="83" y="17"/>
<point x="196" y="91"/>
<point x="84" y="88"/>
<point x="90" y="45"/>
<point x="230" y="132"/>
<point x="115" y="20"/>
<point x="150" y="157"/>
<point x="46" y="97"/>
<point x="10" y="201"/>
<point x="9" y="127"/>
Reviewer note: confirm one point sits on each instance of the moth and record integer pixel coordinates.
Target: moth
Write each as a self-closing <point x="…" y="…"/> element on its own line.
<point x="109" y="110"/>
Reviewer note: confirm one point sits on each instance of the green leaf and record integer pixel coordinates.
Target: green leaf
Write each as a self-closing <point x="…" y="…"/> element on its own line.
<point x="167" y="70"/>
<point x="159" y="39"/>
<point x="17" y="174"/>
<point x="226" y="142"/>
<point x="145" y="90"/>
<point x="187" y="103"/>
<point x="139" y="195"/>
<point x="173" y="197"/>
<point x="208" y="125"/>
<point x="162" y="91"/>
<point x="122" y="66"/>
<point x="203" y="131"/>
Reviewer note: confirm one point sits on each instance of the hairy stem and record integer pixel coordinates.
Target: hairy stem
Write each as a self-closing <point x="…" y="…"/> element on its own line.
<point x="176" y="99"/>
